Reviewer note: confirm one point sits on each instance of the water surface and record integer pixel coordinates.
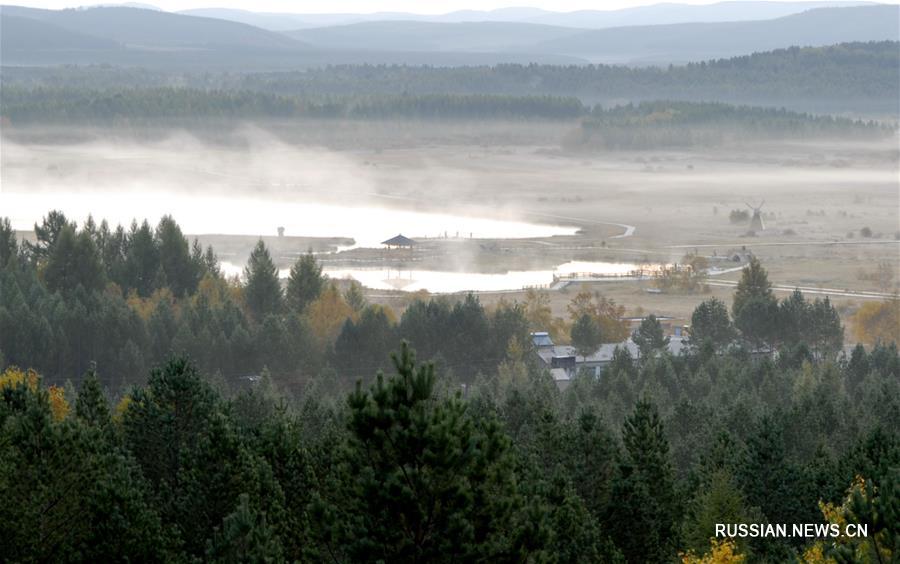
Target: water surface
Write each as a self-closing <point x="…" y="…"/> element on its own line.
<point x="441" y="282"/>
<point x="206" y="214"/>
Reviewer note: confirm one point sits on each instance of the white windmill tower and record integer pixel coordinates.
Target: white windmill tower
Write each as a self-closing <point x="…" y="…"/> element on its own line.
<point x="756" y="222"/>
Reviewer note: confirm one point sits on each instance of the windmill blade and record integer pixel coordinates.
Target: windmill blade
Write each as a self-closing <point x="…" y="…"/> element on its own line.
<point x="749" y="206"/>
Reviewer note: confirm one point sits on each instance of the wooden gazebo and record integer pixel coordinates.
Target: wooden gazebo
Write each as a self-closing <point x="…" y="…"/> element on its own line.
<point x="399" y="242"/>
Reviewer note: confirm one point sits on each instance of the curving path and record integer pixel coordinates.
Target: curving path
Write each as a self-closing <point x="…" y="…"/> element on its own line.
<point x="629" y="229"/>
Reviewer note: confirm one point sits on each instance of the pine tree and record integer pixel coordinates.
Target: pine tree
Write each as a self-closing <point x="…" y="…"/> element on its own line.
<point x="362" y="346"/>
<point x="91" y="405"/>
<point x="710" y="323"/>
<point x="773" y="483"/>
<point x="46" y="234"/>
<point x="179" y="434"/>
<point x="794" y="319"/>
<point x="141" y="259"/>
<point x="355" y="297"/>
<point x="643" y="497"/>
<point x="754" y="283"/>
<point x="757" y="320"/>
<point x="717" y="500"/>
<point x="857" y="367"/>
<point x="74" y="261"/>
<point x="262" y="290"/>
<point x="305" y="283"/>
<point x="244" y="537"/>
<point x="420" y="481"/>
<point x="211" y="262"/>
<point x="9" y="246"/>
<point x="755" y="308"/>
<point x="649" y="337"/>
<point x="469" y="332"/>
<point x="826" y="331"/>
<point x="585" y="335"/>
<point x="175" y="258"/>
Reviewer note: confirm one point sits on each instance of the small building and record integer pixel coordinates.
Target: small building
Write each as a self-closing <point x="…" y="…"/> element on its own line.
<point x="399" y="242"/>
<point x="564" y="364"/>
<point x="541" y="339"/>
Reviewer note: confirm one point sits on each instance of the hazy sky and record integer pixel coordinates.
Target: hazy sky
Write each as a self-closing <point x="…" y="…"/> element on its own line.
<point x="366" y="6"/>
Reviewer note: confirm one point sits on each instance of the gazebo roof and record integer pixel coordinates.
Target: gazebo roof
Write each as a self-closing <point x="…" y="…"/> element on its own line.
<point x="399" y="241"/>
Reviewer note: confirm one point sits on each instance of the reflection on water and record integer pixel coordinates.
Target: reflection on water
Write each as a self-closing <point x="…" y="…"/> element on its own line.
<point x="440" y="282"/>
<point x="577" y="267"/>
<point x="205" y="214"/>
<point x="443" y="282"/>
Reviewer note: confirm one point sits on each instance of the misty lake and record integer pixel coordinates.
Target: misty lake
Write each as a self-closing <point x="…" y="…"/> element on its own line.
<point x="206" y="214"/>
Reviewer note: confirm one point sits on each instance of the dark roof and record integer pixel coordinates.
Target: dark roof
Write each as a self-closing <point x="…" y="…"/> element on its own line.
<point x="399" y="241"/>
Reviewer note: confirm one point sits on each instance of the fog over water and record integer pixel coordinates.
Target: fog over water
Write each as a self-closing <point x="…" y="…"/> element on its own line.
<point x="241" y="215"/>
<point x="251" y="189"/>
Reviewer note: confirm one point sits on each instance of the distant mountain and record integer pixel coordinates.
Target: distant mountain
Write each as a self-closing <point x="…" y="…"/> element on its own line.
<point x="130" y="36"/>
<point x="700" y="41"/>
<point x="271" y="21"/>
<point x="26" y="34"/>
<point x="146" y="29"/>
<point x="656" y="14"/>
<point x="138" y="5"/>
<point x="162" y="40"/>
<point x="670" y="13"/>
<point x="623" y="45"/>
<point x="281" y="21"/>
<point x="430" y="36"/>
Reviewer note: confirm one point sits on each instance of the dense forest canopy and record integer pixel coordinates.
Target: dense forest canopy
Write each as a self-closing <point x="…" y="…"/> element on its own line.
<point x="856" y="78"/>
<point x="178" y="415"/>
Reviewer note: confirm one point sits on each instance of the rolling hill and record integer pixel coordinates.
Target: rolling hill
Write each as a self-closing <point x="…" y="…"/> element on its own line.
<point x="157" y="39"/>
<point x="699" y="41"/>
<point x="431" y="36"/>
<point x="140" y="29"/>
<point x="26" y="34"/>
<point x="657" y="44"/>
<point x="655" y="14"/>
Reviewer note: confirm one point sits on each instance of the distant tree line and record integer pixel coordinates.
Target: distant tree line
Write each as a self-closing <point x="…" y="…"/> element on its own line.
<point x="849" y="77"/>
<point x="678" y="124"/>
<point x="658" y="124"/>
<point x="135" y="106"/>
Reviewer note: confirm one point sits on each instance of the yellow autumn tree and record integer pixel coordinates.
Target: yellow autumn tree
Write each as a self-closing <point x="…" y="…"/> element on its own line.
<point x="213" y="289"/>
<point x="513" y="369"/>
<point x="327" y="314"/>
<point x="877" y="321"/>
<point x="121" y="408"/>
<point x="145" y="306"/>
<point x="537" y="310"/>
<point x="606" y="312"/>
<point x="13" y="376"/>
<point x="870" y="549"/>
<point x="59" y="407"/>
<point x="540" y="315"/>
<point x="720" y="552"/>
